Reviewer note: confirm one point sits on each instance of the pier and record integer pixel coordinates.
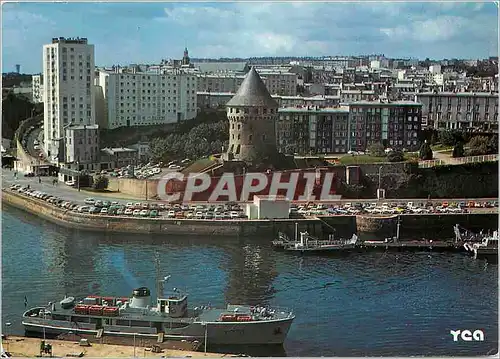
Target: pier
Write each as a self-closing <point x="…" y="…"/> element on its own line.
<point x="425" y="245"/>
<point x="30" y="348"/>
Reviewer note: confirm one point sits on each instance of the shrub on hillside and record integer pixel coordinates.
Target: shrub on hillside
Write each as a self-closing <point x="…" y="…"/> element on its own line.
<point x="458" y="150"/>
<point x="395" y="156"/>
<point x="376" y="149"/>
<point x="425" y="153"/>
<point x="101" y="183"/>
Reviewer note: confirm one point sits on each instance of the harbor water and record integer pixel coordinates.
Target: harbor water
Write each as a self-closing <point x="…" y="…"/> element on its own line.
<point x="376" y="304"/>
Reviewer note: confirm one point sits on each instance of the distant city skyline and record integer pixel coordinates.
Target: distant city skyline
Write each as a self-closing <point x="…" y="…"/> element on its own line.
<point x="126" y="33"/>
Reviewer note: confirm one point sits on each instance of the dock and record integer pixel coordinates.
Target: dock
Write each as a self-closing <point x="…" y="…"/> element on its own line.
<point x="427" y="245"/>
<point x="26" y="347"/>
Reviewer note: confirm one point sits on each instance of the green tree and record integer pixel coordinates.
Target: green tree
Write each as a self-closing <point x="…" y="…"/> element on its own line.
<point x="395" y="156"/>
<point x="425" y="153"/>
<point x="478" y="145"/>
<point x="493" y="144"/>
<point x="16" y="108"/>
<point x="458" y="150"/>
<point x="450" y="137"/>
<point x="376" y="149"/>
<point x="101" y="183"/>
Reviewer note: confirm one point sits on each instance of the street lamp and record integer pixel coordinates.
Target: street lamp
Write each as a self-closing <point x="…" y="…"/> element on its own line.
<point x="8" y="324"/>
<point x="78" y="175"/>
<point x="206" y="332"/>
<point x="379" y="176"/>
<point x="134" y="345"/>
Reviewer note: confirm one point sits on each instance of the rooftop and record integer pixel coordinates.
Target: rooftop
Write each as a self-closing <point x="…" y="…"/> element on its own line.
<point x="478" y="94"/>
<point x="214" y="67"/>
<point x="314" y="109"/>
<point x="252" y="92"/>
<point x="112" y="151"/>
<point x="69" y="40"/>
<point x="83" y="127"/>
<point x="386" y="103"/>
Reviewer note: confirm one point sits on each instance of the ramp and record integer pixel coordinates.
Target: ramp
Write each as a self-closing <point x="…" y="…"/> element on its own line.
<point x="99" y="334"/>
<point x="160" y="337"/>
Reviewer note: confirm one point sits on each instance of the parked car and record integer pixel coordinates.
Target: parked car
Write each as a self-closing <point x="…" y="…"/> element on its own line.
<point x="89" y="200"/>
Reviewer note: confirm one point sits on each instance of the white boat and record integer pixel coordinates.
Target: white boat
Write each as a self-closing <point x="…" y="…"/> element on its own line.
<point x="478" y="244"/>
<point x="308" y="243"/>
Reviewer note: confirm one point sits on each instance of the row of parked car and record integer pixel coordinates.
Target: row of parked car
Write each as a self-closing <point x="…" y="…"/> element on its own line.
<point x="138" y="209"/>
<point x="388" y="208"/>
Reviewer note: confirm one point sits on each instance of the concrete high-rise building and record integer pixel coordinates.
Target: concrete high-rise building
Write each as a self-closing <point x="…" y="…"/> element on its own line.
<point x="252" y="114"/>
<point x="18" y="68"/>
<point x="68" y="90"/>
<point x="135" y="98"/>
<point x="37" y="88"/>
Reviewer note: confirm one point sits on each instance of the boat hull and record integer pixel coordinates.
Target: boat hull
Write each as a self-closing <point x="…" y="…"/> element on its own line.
<point x="220" y="333"/>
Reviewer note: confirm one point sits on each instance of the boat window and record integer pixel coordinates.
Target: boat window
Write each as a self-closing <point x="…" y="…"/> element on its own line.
<point x="178" y="325"/>
<point x="80" y="319"/>
<point x="59" y="317"/>
<point x="139" y="323"/>
<point x="122" y="322"/>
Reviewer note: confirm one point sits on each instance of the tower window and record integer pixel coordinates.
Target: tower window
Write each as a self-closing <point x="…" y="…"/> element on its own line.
<point x="249" y="137"/>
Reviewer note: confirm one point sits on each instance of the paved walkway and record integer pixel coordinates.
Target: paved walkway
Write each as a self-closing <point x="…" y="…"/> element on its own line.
<point x="445" y="157"/>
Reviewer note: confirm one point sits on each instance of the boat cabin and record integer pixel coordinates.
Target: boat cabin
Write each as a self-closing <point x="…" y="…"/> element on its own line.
<point x="175" y="305"/>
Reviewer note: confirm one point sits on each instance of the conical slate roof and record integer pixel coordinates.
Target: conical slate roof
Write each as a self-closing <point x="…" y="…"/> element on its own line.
<point x="252" y="92"/>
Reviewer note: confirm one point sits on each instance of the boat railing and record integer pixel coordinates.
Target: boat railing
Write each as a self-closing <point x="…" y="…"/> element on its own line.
<point x="280" y="310"/>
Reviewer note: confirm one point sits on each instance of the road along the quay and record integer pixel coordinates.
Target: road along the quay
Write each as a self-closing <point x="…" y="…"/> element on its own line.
<point x="63" y="191"/>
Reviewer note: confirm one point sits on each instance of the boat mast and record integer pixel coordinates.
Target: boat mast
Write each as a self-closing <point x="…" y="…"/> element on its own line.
<point x="159" y="289"/>
<point x="397" y="228"/>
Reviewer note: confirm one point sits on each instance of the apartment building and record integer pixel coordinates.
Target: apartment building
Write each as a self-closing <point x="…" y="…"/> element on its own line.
<point x="277" y="83"/>
<point x="280" y="83"/>
<point x="68" y="89"/>
<point x="37" y="88"/>
<point x="460" y="110"/>
<point x="348" y="96"/>
<point x="395" y="124"/>
<point x="82" y="145"/>
<point x="219" y="82"/>
<point x="312" y="130"/>
<point x="135" y="98"/>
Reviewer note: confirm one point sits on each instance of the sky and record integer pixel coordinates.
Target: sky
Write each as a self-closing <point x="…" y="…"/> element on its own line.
<point x="125" y="33"/>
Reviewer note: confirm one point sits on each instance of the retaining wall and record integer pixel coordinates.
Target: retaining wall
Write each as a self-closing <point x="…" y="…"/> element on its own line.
<point x="426" y="225"/>
<point x="152" y="225"/>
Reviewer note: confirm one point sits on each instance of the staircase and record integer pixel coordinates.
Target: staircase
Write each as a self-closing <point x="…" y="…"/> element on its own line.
<point x="160" y="337"/>
<point x="99" y="334"/>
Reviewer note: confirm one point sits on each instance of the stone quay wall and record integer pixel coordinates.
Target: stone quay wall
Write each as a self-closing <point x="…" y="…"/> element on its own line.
<point x="427" y="225"/>
<point x="122" y="224"/>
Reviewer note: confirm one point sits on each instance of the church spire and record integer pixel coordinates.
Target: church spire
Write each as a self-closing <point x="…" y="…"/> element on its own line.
<point x="185" y="59"/>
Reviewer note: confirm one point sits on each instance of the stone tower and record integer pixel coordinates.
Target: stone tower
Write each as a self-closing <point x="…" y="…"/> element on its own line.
<point x="252" y="115"/>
